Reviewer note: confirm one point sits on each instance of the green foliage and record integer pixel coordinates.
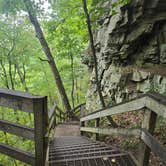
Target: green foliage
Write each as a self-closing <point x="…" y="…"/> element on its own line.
<point x="10" y="6"/>
<point x="21" y="66"/>
<point x="20" y="54"/>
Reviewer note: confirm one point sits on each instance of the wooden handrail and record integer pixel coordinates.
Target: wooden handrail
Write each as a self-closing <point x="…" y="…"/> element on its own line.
<point x="114" y="131"/>
<point x="153" y="103"/>
<point x="153" y="144"/>
<point x="17" y="154"/>
<point x="77" y="107"/>
<point x="53" y="114"/>
<point x="32" y="104"/>
<point x="52" y="111"/>
<point x="16" y="129"/>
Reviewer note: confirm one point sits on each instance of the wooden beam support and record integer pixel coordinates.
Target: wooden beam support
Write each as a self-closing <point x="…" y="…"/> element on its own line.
<point x="52" y="112"/>
<point x="153" y="144"/>
<point x="97" y="125"/>
<point x="114" y="131"/>
<point x="82" y="124"/>
<point x="148" y="123"/>
<point x="16" y="129"/>
<point x="156" y="105"/>
<point x="41" y="123"/>
<point x="18" y="154"/>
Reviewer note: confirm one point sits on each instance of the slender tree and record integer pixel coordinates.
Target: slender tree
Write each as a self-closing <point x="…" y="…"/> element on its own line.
<point x="98" y="84"/>
<point x="47" y="51"/>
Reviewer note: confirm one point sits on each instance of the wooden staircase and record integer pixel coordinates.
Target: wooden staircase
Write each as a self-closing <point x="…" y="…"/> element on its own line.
<point x="58" y="142"/>
<point x="70" y="149"/>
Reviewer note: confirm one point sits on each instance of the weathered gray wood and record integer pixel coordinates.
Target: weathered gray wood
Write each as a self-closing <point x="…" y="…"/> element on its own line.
<point x="82" y="124"/>
<point x="16" y="129"/>
<point x="51" y="123"/>
<point x="41" y="123"/>
<point x="45" y="127"/>
<point x="153" y="101"/>
<point x="157" y="106"/>
<point x="121" y="108"/>
<point x="17" y="94"/>
<point x="78" y="108"/>
<point x="97" y="125"/>
<point x="153" y="145"/>
<point x="17" y="100"/>
<point x="114" y="131"/>
<point x="16" y="103"/>
<point x="52" y="112"/>
<point x="134" y="159"/>
<point x="18" y="154"/>
<point x="52" y="117"/>
<point x="148" y="123"/>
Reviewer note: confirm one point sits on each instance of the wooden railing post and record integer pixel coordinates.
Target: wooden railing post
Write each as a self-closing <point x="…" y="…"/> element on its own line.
<point x="82" y="125"/>
<point x="60" y="114"/>
<point x="41" y="123"/>
<point x="148" y="123"/>
<point x="97" y="124"/>
<point x="55" y="119"/>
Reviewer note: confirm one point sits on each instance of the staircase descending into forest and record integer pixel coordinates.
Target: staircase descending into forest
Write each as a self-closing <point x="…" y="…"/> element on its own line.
<point x="62" y="142"/>
<point x="70" y="149"/>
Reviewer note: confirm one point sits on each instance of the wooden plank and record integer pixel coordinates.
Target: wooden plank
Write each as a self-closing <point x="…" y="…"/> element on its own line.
<point x="45" y="127"/>
<point x="153" y="145"/>
<point x="17" y="100"/>
<point x="16" y="103"/>
<point x="158" y="106"/>
<point x="18" y="154"/>
<point x="51" y="124"/>
<point x="41" y="123"/>
<point x="134" y="159"/>
<point x="17" y="94"/>
<point x="148" y="123"/>
<point x="97" y="125"/>
<point x="52" y="112"/>
<point x="132" y="105"/>
<point x="114" y="131"/>
<point x="77" y="108"/>
<point x="82" y="124"/>
<point x="16" y="129"/>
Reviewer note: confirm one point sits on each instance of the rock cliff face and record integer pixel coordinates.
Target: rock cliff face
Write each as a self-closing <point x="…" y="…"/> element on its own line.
<point x="131" y="52"/>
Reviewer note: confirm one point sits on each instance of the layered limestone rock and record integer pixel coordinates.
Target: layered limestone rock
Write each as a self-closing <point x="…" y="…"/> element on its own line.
<point x="131" y="52"/>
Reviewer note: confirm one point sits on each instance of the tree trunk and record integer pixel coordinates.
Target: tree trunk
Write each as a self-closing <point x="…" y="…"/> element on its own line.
<point x="22" y="76"/>
<point x="98" y="84"/>
<point x="73" y="82"/>
<point x="47" y="51"/>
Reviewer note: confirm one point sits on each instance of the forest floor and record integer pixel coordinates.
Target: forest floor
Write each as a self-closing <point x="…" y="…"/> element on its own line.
<point x="133" y="120"/>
